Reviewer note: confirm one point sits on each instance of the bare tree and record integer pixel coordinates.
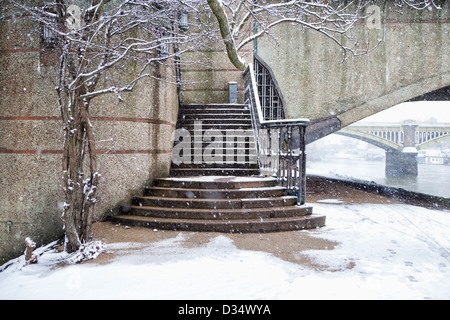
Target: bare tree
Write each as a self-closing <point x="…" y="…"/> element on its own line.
<point x="94" y="42"/>
<point x="333" y="19"/>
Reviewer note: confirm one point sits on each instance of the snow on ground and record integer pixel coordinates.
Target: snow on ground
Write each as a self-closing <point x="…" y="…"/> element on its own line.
<point x="386" y="252"/>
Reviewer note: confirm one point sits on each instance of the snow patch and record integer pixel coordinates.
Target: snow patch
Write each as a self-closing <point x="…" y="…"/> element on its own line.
<point x="331" y="201"/>
<point x="87" y="251"/>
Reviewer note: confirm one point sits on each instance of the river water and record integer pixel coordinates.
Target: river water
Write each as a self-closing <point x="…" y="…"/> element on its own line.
<point x="432" y="179"/>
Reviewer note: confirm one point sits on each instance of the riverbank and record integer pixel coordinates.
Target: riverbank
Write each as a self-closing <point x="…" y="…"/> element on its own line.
<point x="431" y="179"/>
<point x="369" y="192"/>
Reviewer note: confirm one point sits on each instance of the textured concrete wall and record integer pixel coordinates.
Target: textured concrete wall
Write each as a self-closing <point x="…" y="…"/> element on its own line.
<point x="206" y="72"/>
<point x="412" y="59"/>
<point x="133" y="141"/>
<point x="206" y="80"/>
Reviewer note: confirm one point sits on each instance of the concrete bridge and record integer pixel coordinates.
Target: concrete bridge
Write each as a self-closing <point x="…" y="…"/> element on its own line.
<point x="411" y="62"/>
<point x="402" y="141"/>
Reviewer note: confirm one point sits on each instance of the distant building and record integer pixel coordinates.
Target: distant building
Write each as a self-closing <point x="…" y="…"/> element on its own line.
<point x="434" y="157"/>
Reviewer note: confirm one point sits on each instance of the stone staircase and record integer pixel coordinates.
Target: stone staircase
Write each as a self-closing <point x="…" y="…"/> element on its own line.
<point x="231" y="124"/>
<point x="217" y="187"/>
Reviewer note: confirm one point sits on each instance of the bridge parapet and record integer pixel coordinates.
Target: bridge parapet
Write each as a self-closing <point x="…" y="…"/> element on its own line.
<point x="397" y="136"/>
<point x="427" y="135"/>
<point x="386" y="137"/>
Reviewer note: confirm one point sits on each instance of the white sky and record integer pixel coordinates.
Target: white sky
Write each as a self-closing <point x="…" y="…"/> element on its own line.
<point x="418" y="110"/>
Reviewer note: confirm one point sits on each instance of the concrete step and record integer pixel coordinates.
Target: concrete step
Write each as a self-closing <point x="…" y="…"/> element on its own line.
<point x="222" y="107"/>
<point x="220" y="214"/>
<point x="223" y="111"/>
<point x="184" y="123"/>
<point x="216" y="182"/>
<point x="228" y="146"/>
<point x="191" y="193"/>
<point x="227" y="226"/>
<point x="228" y="136"/>
<point x="220" y="162"/>
<point x="221" y="196"/>
<point x="228" y="204"/>
<point x="223" y="127"/>
<point x="223" y="165"/>
<point x="238" y="155"/>
<point x="227" y="141"/>
<point x="202" y="116"/>
<point x="213" y="172"/>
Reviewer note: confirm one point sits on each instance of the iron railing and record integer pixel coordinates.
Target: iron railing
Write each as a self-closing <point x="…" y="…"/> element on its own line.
<point x="280" y="142"/>
<point x="270" y="98"/>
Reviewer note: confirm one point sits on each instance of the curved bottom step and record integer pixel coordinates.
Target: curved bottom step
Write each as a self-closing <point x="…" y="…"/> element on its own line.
<point x="226" y="226"/>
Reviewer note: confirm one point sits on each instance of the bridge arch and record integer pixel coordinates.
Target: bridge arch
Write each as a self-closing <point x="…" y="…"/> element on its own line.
<point x="375" y="140"/>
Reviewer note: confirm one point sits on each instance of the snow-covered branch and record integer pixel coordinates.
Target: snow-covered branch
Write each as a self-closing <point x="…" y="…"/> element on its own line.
<point x="333" y="19"/>
<point x="330" y="18"/>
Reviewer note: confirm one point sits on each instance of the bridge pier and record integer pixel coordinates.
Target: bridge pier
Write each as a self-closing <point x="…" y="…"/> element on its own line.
<point x="404" y="163"/>
<point x="401" y="163"/>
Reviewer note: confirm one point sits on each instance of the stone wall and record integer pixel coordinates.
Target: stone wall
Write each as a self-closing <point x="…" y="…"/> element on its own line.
<point x="206" y="81"/>
<point x="206" y="72"/>
<point x="134" y="140"/>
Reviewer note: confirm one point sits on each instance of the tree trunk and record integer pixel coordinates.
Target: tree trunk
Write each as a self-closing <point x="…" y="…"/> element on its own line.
<point x="224" y="27"/>
<point x="80" y="193"/>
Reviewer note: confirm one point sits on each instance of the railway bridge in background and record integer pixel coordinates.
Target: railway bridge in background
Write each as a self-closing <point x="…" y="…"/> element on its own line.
<point x="401" y="141"/>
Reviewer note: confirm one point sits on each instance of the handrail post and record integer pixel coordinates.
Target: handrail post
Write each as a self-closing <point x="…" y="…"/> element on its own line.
<point x="302" y="189"/>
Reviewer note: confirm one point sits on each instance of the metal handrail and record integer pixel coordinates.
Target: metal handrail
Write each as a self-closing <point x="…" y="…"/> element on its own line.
<point x="280" y="151"/>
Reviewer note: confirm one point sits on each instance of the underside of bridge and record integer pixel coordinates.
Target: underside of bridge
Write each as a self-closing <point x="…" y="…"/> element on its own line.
<point x="442" y="94"/>
<point x="320" y="128"/>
